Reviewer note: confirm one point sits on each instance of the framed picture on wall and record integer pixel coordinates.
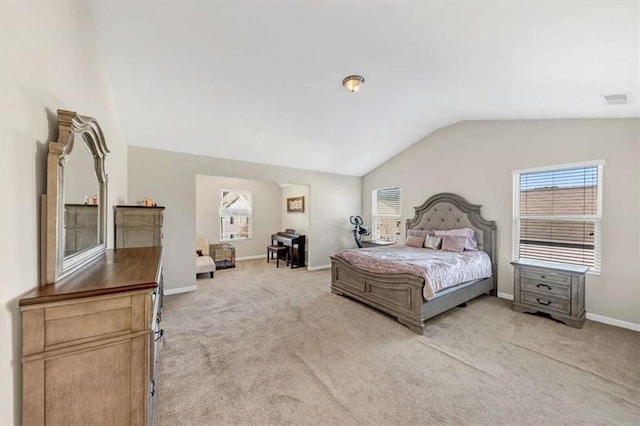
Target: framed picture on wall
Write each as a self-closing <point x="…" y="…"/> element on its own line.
<point x="295" y="205"/>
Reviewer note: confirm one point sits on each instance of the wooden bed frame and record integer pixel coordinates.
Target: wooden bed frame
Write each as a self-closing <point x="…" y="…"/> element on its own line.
<point x="401" y="295"/>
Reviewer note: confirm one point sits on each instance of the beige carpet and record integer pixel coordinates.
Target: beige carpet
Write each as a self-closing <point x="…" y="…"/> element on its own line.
<point x="260" y="345"/>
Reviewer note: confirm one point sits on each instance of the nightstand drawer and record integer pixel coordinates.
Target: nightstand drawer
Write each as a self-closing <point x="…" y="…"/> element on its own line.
<point x="536" y="274"/>
<point x="548" y="303"/>
<point x="548" y="288"/>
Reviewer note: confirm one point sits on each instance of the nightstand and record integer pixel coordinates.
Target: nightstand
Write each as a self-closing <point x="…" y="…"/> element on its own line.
<point x="553" y="288"/>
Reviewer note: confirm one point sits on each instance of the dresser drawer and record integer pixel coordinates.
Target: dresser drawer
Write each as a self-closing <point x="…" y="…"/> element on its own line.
<point x="537" y="274"/>
<point x="546" y="303"/>
<point x="548" y="288"/>
<point x="139" y="218"/>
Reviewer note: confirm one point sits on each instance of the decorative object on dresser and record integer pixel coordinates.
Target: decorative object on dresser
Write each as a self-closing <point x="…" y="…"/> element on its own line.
<point x="137" y="226"/>
<point x="402" y="295"/>
<point x="90" y="331"/>
<point x="553" y="288"/>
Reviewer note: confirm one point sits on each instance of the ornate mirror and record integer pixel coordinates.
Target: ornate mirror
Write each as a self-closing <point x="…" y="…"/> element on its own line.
<point x="74" y="207"/>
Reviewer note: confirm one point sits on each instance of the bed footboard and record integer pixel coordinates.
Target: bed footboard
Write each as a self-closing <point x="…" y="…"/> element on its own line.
<point x="401" y="295"/>
<point x="397" y="295"/>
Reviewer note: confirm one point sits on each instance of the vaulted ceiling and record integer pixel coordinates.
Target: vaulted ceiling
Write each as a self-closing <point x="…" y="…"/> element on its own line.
<point x="261" y="81"/>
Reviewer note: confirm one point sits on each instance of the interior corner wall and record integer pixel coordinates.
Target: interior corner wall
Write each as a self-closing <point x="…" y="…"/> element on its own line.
<point x="49" y="59"/>
<point x="265" y="212"/>
<point x="169" y="178"/>
<point x="475" y="159"/>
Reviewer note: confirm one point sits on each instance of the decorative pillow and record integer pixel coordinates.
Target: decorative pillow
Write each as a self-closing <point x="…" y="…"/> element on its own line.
<point x="419" y="232"/>
<point x="452" y="243"/>
<point x="199" y="252"/>
<point x="433" y="242"/>
<point x="414" y="241"/>
<point x="467" y="233"/>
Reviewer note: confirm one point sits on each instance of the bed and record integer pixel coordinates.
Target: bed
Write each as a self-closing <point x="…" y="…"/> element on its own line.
<point x="402" y="295"/>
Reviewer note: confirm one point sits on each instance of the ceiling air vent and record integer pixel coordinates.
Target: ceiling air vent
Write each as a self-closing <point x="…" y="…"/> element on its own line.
<point x="617" y="99"/>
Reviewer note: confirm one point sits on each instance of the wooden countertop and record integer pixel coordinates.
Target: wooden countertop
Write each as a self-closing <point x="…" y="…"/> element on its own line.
<point x="116" y="271"/>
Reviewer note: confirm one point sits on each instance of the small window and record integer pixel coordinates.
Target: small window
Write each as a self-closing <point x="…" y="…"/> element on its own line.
<point x="557" y="214"/>
<point x="386" y="214"/>
<point x="235" y="215"/>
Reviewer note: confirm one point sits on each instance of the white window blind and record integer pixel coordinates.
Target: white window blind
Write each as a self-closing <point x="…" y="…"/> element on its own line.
<point x="235" y="215"/>
<point x="386" y="214"/>
<point x="557" y="215"/>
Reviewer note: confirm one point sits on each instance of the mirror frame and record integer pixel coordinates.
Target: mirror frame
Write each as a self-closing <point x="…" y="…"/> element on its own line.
<point x="70" y="124"/>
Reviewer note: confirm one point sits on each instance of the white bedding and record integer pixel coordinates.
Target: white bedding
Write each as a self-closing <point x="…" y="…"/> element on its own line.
<point x="440" y="269"/>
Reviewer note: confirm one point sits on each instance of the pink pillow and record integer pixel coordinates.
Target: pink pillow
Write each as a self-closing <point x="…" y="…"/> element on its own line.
<point x="468" y="233"/>
<point x="418" y="232"/>
<point x="414" y="241"/>
<point x="452" y="243"/>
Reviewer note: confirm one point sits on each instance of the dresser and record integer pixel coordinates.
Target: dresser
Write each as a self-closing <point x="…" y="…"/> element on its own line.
<point x="81" y="227"/>
<point x="90" y="343"/>
<point x="138" y="226"/>
<point x="553" y="288"/>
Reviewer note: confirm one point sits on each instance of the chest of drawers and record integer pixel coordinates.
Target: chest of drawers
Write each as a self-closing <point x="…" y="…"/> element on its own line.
<point x="553" y="288"/>
<point x="90" y="343"/>
<point x="138" y="226"/>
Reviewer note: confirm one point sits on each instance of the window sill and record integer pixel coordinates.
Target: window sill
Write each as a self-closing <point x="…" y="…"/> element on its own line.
<point x="234" y="239"/>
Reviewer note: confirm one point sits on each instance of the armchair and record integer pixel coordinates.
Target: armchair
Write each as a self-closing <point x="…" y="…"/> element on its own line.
<point x="204" y="263"/>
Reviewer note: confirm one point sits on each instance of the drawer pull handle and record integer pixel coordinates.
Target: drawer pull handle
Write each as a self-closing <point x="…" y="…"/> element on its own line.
<point x="543" y="303"/>
<point x="544" y="285"/>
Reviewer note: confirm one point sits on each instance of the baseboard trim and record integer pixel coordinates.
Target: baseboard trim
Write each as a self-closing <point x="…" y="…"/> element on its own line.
<point x="170" y="291"/>
<point x="507" y="296"/>
<point x="592" y="317"/>
<point x="318" y="268"/>
<point x="256" y="256"/>
<point x="613" y="321"/>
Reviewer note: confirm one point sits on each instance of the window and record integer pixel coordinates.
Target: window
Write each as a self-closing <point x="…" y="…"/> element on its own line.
<point x="557" y="214"/>
<point x="386" y="214"/>
<point x="235" y="215"/>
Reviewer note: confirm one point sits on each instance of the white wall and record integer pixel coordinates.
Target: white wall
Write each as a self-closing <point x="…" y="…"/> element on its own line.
<point x="475" y="160"/>
<point x="265" y="212"/>
<point x="169" y="177"/>
<point x="48" y="60"/>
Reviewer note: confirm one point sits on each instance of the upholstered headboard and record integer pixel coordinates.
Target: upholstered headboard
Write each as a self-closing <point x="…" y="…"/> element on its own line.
<point x="446" y="211"/>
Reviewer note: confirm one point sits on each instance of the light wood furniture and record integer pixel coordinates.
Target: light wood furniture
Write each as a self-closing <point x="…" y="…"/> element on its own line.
<point x="55" y="265"/>
<point x="401" y="295"/>
<point x="80" y="224"/>
<point x="90" y="343"/>
<point x="138" y="226"/>
<point x="553" y="288"/>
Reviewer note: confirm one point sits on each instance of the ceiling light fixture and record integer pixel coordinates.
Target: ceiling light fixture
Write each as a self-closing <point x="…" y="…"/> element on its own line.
<point x="353" y="83"/>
